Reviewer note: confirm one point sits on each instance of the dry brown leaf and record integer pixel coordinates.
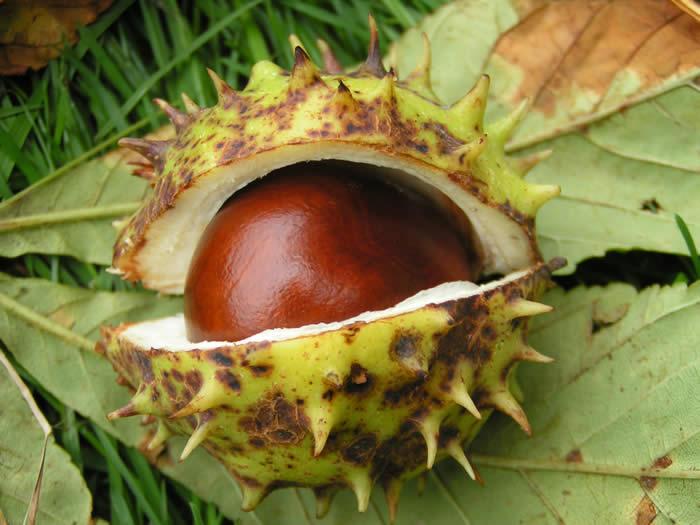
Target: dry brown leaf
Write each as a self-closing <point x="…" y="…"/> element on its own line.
<point x="593" y="58"/>
<point x="32" y="32"/>
<point x="692" y="7"/>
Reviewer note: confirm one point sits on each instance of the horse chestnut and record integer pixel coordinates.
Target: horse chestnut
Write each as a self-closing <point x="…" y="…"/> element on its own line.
<point x="315" y="243"/>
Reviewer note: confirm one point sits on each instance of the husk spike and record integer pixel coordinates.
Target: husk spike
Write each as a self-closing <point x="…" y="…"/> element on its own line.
<point x="526" y="308"/>
<point x="304" y="73"/>
<point x="469" y="110"/>
<point x="203" y="429"/>
<point x="503" y="401"/>
<point x="471" y="150"/>
<point x="179" y="119"/>
<point x="455" y="450"/>
<point x="119" y="225"/>
<point x="210" y="395"/>
<point x="140" y="403"/>
<point x="252" y="495"/>
<point x="145" y="171"/>
<point x="190" y="105"/>
<point x="542" y="193"/>
<point x="430" y="429"/>
<point x="460" y="395"/>
<point x="152" y="150"/>
<point x="502" y="129"/>
<point x="294" y="42"/>
<point x="361" y="484"/>
<point x="321" y="421"/>
<point x="324" y="497"/>
<point x="223" y="90"/>
<point x="373" y="64"/>
<point x="127" y="410"/>
<point x="330" y="61"/>
<point x="392" y="492"/>
<point x="160" y="437"/>
<point x="343" y="99"/>
<point x="530" y="354"/>
<point x="523" y="165"/>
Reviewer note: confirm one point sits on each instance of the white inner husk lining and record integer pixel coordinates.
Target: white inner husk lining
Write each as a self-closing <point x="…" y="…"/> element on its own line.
<point x="172" y="238"/>
<point x="170" y="333"/>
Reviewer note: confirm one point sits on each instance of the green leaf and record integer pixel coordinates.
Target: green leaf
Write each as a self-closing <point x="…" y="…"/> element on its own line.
<point x="26" y="444"/>
<point x="623" y="126"/>
<point x="51" y="330"/>
<point x="623" y="203"/>
<point x="71" y="211"/>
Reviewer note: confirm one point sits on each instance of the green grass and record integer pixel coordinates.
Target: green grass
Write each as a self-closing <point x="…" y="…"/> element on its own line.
<point x="102" y="88"/>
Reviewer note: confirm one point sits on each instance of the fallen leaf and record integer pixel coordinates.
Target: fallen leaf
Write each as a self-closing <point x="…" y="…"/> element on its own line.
<point x="613" y="93"/>
<point x="689" y="6"/>
<point x="62" y="359"/>
<point x="51" y="217"/>
<point x="580" y="61"/>
<point x="38" y="481"/>
<point x="32" y="32"/>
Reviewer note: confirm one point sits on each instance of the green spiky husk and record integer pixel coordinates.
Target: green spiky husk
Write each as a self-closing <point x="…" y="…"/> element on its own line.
<point x="372" y="402"/>
<point x="369" y="403"/>
<point x="282" y="118"/>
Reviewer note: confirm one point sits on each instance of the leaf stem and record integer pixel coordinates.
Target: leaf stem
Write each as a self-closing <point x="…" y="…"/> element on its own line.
<point x="77" y="214"/>
<point x="581" y="468"/>
<point x="41" y="322"/>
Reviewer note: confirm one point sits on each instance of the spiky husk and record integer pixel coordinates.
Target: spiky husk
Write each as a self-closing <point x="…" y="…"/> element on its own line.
<point x="366" y="116"/>
<point x="368" y="403"/>
<point x="371" y="402"/>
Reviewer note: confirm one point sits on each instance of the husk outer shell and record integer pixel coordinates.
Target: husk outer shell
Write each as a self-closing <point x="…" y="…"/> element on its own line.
<point x="371" y="402"/>
<point x="367" y="113"/>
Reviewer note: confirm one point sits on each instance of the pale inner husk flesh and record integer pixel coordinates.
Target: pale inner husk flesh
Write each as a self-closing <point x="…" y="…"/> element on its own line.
<point x="170" y="333"/>
<point x="173" y="238"/>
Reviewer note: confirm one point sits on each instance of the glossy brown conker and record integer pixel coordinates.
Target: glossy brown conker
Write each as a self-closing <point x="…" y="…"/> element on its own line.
<point x="315" y="243"/>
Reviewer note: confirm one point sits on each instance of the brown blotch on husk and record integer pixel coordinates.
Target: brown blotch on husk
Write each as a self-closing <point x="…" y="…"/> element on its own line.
<point x="361" y="450"/>
<point x="276" y="421"/>
<point x="359" y="381"/>
<point x="228" y="379"/>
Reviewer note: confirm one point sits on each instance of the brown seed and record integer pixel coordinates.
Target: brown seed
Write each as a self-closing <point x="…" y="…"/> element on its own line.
<point x="316" y="243"/>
